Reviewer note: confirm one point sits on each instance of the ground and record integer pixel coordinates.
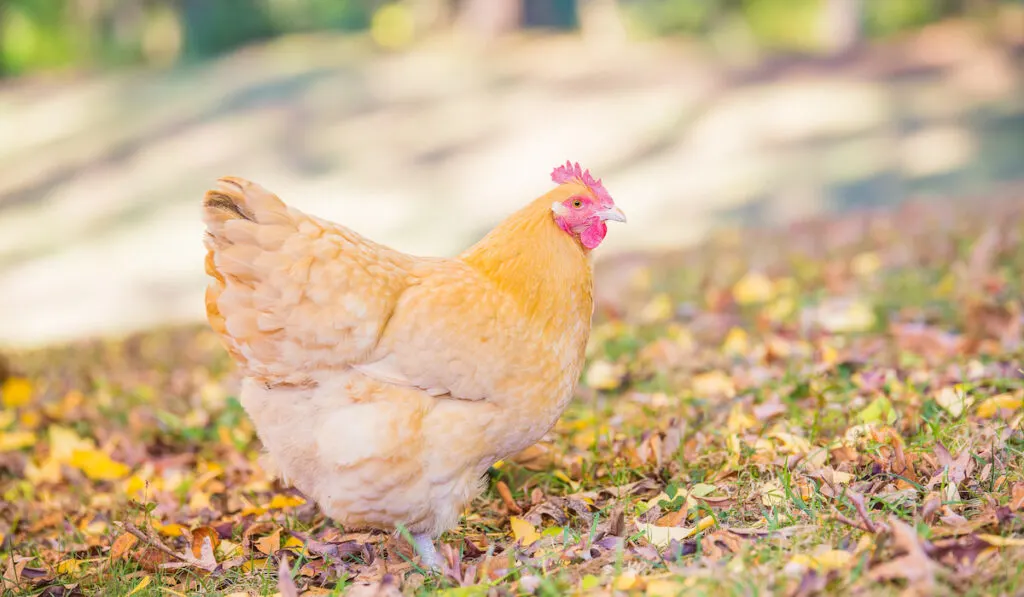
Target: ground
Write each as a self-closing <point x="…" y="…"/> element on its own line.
<point x="835" y="408"/>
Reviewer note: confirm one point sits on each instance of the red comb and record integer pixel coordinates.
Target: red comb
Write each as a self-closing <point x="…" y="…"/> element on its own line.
<point x="571" y="172"/>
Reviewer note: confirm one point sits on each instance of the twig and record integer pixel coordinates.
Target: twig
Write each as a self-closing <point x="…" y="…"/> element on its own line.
<point x="836" y="516"/>
<point x="161" y="546"/>
<point x="862" y="510"/>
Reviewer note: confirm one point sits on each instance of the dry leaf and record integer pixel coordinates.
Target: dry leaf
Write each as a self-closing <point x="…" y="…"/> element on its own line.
<point x="270" y="544"/>
<point x="122" y="545"/>
<point x="285" y="584"/>
<point x="662" y="536"/>
<point x="913" y="565"/>
<point x="142" y="585"/>
<point x="523" y="531"/>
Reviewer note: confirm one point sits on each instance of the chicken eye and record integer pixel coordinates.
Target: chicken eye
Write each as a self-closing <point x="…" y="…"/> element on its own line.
<point x="577" y="203"/>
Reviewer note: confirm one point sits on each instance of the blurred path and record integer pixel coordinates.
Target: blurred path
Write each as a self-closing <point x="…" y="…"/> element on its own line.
<point x="100" y="178"/>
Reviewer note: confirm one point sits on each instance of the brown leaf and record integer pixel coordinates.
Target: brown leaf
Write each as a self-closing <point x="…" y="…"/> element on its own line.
<point x="285" y="584"/>
<point x="152" y="559"/>
<point x="913" y="565"/>
<point x="269" y="544"/>
<point x="201" y="536"/>
<point x="720" y="543"/>
<point x="506" y="497"/>
<point x="119" y="548"/>
<point x="1017" y="497"/>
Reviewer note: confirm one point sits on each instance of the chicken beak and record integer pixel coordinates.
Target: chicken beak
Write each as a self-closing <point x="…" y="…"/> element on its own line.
<point x="615" y="214"/>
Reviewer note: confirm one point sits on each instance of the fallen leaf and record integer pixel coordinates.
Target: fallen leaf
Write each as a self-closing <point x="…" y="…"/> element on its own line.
<point x="662" y="536"/>
<point x="284" y="502"/>
<point x="269" y="544"/>
<point x="913" y="565"/>
<point x="16" y="440"/>
<point x="121" y="546"/>
<point x="142" y="585"/>
<point x="285" y="584"/>
<point x="603" y="375"/>
<point x="98" y="465"/>
<point x="204" y="538"/>
<point x="997" y="404"/>
<point x="827" y="561"/>
<point x="772" y="493"/>
<point x="753" y="288"/>
<point x="713" y="384"/>
<point x="506" y="497"/>
<point x="880" y="410"/>
<point x="523" y="531"/>
<point x="16" y="391"/>
<point x="953" y="401"/>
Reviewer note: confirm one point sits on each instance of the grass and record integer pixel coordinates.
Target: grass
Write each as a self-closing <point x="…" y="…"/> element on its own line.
<point x="775" y="405"/>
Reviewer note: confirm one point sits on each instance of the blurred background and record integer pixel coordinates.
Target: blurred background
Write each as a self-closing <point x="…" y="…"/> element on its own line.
<point x="421" y="123"/>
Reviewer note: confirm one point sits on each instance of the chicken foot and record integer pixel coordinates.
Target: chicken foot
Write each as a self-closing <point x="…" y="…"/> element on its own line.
<point x="429" y="558"/>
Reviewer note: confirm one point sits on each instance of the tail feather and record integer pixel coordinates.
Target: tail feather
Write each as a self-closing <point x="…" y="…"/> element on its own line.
<point x="243" y="220"/>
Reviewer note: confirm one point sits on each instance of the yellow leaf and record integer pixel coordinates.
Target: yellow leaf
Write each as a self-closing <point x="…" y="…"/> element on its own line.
<point x="736" y="342"/>
<point x="660" y="309"/>
<point x="46" y="472"/>
<point x="866" y="264"/>
<point x="829" y="355"/>
<point x="171" y="530"/>
<point x="995" y="404"/>
<point x="29" y="419"/>
<point x="523" y="531"/>
<point x="665" y="587"/>
<point x="227" y="548"/>
<point x="833" y="559"/>
<point x="702" y="490"/>
<point x="68" y="566"/>
<point x="561" y="476"/>
<point x="752" y="288"/>
<point x="625" y="581"/>
<point x="794" y="444"/>
<point x="6" y="418"/>
<point x="603" y="375"/>
<point x="281" y="502"/>
<point x="250" y="565"/>
<point x="997" y="541"/>
<point x="98" y="466"/>
<point x="16" y="440"/>
<point x="200" y="500"/>
<point x="713" y="384"/>
<point x="953" y="400"/>
<point x="64" y="441"/>
<point x="662" y="536"/>
<point x="142" y="585"/>
<point x="772" y="493"/>
<point x="739" y="419"/>
<point x="16" y="391"/>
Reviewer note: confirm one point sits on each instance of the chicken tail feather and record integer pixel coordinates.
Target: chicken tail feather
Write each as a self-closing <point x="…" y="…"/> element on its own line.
<point x="242" y="220"/>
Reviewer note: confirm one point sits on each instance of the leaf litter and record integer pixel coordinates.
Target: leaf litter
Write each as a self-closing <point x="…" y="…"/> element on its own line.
<point x="835" y="408"/>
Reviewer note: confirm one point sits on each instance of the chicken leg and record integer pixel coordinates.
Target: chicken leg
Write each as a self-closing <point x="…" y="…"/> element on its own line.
<point x="429" y="558"/>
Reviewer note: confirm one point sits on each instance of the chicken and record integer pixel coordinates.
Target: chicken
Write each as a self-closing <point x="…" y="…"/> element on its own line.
<point x="383" y="385"/>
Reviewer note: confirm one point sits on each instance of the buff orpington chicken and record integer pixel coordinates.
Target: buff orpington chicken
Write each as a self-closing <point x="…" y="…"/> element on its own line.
<point x="382" y="385"/>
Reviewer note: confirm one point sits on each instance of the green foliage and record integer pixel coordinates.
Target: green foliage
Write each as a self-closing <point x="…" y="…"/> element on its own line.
<point x="45" y="34"/>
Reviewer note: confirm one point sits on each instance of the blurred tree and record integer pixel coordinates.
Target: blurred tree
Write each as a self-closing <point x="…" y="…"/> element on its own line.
<point x="556" y="14"/>
<point x="213" y="27"/>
